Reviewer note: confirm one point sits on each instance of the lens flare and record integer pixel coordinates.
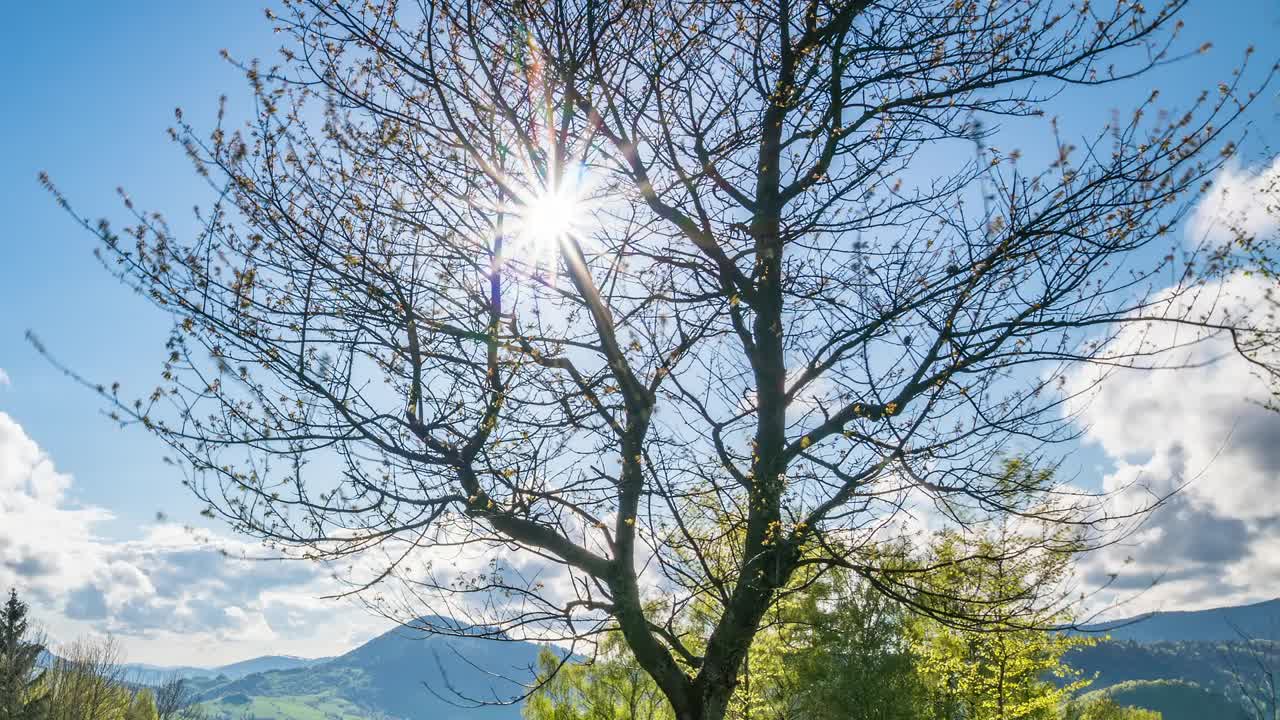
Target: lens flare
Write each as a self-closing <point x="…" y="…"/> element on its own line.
<point x="548" y="217"/>
<point x="542" y="217"/>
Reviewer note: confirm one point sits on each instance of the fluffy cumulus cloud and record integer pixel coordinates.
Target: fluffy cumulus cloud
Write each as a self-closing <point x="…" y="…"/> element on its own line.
<point x="1243" y="200"/>
<point x="169" y="595"/>
<point x="174" y="596"/>
<point x="1201" y="431"/>
<point x="44" y="540"/>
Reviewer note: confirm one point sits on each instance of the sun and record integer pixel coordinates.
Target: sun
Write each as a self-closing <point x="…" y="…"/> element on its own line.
<point x="545" y="215"/>
<point x="549" y="216"/>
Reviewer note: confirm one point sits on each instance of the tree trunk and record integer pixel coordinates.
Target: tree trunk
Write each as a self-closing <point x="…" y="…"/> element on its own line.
<point x="712" y="704"/>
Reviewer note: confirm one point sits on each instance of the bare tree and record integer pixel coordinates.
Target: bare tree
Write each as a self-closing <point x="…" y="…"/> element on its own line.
<point x="175" y="700"/>
<point x="1253" y="662"/>
<point x="88" y="682"/>
<point x="622" y="286"/>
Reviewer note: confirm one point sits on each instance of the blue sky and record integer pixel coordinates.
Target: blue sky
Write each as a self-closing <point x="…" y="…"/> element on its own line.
<point x="91" y="88"/>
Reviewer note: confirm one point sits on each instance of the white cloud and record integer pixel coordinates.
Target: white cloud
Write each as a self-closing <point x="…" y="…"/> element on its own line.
<point x="1200" y="428"/>
<point x="5" y="380"/>
<point x="1217" y="541"/>
<point x="1242" y="200"/>
<point x="44" y="541"/>
<point x="169" y="596"/>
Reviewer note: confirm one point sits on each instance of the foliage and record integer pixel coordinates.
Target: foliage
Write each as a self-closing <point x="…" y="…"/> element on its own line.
<point x="1006" y="675"/>
<point x="87" y="682"/>
<point x="22" y="687"/>
<point x="142" y="706"/>
<point x="847" y="655"/>
<point x="611" y="687"/>
<point x="839" y="648"/>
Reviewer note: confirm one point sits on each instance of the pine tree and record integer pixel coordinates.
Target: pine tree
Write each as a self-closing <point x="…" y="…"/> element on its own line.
<point x="21" y="680"/>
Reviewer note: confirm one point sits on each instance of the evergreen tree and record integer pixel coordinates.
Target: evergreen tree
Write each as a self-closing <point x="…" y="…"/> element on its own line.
<point x="21" y="680"/>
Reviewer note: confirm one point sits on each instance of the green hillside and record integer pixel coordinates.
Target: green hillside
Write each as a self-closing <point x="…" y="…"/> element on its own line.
<point x="401" y="674"/>
<point x="326" y="706"/>
<point x="1216" y="666"/>
<point x="1174" y="700"/>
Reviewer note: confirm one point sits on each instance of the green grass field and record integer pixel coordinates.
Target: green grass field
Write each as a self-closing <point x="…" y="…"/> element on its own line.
<point x="325" y="706"/>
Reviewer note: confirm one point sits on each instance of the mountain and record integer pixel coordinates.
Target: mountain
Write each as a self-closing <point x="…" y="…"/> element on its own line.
<point x="266" y="663"/>
<point x="399" y="674"/>
<point x="146" y="674"/>
<point x="1185" y="664"/>
<point x="1259" y="621"/>
<point x="1214" y="666"/>
<point x="138" y="673"/>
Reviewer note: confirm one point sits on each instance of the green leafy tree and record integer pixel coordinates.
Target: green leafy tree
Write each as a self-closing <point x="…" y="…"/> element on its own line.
<point x="142" y="706"/>
<point x="22" y="689"/>
<point x="836" y="650"/>
<point x="850" y="657"/>
<point x="612" y="687"/>
<point x="973" y="674"/>
<point x="88" y="682"/>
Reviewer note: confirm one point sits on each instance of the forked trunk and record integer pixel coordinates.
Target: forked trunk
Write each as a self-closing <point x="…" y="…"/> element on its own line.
<point x="712" y="705"/>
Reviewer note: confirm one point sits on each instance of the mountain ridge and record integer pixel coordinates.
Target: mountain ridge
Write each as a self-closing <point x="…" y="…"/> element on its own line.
<point x="401" y="673"/>
<point x="1259" y="621"/>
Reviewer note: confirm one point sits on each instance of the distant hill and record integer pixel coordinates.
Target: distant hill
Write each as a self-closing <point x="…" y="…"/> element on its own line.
<point x="1179" y="679"/>
<point x="266" y="663"/>
<point x="405" y="674"/>
<point x="1260" y="621"/>
<point x="147" y="674"/>
<point x="154" y="674"/>
<point x="400" y="674"/>
<point x="1211" y="665"/>
<point x="1175" y="700"/>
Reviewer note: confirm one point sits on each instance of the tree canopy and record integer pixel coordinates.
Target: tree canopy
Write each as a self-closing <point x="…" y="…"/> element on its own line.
<point x="841" y="650"/>
<point x="676" y="298"/>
